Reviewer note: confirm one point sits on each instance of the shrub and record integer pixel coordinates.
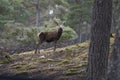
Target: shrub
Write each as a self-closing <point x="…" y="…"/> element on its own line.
<point x="68" y="34"/>
<point x="15" y="35"/>
<point x="29" y="36"/>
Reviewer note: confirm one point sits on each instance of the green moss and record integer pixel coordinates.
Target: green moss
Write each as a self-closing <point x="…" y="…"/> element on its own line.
<point x="47" y="60"/>
<point x="14" y="55"/>
<point x="23" y="67"/>
<point x="71" y="71"/>
<point x="25" y="73"/>
<point x="18" y="65"/>
<point x="83" y="65"/>
<point x="27" y="53"/>
<point x="64" y="62"/>
<point x="76" y="70"/>
<point x="34" y="59"/>
<point x="71" y="60"/>
<point x="30" y="66"/>
<point x="3" y="61"/>
<point x="76" y="67"/>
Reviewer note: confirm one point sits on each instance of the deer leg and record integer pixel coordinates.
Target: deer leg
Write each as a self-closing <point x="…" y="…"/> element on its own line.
<point x="54" y="46"/>
<point x="37" y="46"/>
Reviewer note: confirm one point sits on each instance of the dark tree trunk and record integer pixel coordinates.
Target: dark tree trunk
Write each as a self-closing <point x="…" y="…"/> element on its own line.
<point x="100" y="40"/>
<point x="114" y="73"/>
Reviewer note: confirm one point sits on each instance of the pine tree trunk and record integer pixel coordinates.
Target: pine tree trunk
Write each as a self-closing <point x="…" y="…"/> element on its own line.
<point x="100" y="40"/>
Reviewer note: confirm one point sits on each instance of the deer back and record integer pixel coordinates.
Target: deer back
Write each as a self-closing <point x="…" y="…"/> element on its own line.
<point x="51" y="36"/>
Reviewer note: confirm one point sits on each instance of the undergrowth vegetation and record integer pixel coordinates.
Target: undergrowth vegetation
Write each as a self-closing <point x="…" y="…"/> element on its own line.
<point x="15" y="35"/>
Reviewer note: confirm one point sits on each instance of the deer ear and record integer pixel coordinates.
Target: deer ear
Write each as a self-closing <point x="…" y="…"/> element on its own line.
<point x="40" y="34"/>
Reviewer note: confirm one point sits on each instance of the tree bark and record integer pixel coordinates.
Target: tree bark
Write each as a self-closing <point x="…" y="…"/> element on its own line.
<point x="114" y="73"/>
<point x="100" y="40"/>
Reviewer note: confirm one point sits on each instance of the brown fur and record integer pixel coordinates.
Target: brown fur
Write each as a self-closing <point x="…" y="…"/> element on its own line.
<point x="51" y="36"/>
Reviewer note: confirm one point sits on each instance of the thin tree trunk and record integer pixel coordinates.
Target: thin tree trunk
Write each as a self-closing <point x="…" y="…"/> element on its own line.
<point x="100" y="39"/>
<point x="79" y="33"/>
<point x="86" y="34"/>
<point x="37" y="13"/>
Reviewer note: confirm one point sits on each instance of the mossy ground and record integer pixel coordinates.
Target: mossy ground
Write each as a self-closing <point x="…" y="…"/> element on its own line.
<point x="64" y="63"/>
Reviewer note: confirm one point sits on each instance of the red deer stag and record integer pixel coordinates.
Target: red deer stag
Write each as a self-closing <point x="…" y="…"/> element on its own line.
<point x="51" y="36"/>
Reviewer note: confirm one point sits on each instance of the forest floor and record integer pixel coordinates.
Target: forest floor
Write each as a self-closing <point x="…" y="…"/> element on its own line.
<point x="67" y="63"/>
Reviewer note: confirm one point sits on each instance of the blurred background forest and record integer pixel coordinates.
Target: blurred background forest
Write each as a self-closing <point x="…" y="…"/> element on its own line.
<point x="21" y="20"/>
